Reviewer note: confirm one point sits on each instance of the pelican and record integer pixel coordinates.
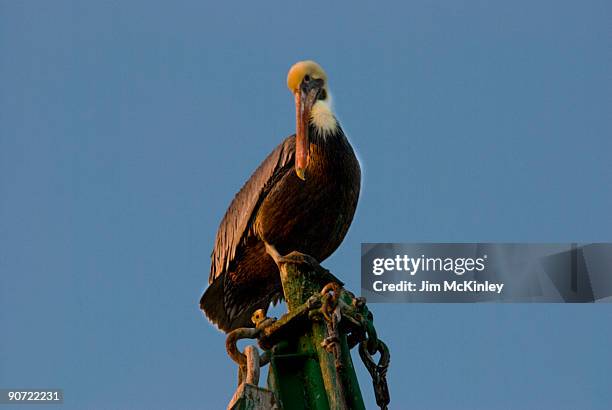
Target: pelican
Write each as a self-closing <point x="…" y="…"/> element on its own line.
<point x="301" y="198"/>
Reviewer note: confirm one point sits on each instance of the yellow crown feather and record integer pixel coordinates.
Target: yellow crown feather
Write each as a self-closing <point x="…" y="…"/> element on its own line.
<point x="300" y="69"/>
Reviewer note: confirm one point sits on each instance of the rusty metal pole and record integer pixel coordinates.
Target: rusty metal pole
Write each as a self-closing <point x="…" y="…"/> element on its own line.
<point x="341" y="388"/>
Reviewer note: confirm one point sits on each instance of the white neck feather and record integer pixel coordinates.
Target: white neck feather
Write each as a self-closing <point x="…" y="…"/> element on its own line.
<point x="322" y="117"/>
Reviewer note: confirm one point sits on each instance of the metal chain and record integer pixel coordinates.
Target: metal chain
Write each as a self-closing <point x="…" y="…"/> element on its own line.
<point x="248" y="365"/>
<point x="232" y="348"/>
<point x="378" y="371"/>
<point x="332" y="341"/>
<point x="332" y="314"/>
<point x="365" y="335"/>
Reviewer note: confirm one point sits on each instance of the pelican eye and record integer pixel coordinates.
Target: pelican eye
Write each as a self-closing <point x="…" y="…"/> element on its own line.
<point x="322" y="94"/>
<point x="306" y="78"/>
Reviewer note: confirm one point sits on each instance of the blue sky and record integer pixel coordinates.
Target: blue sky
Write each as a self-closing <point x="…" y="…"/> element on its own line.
<point x="126" y="129"/>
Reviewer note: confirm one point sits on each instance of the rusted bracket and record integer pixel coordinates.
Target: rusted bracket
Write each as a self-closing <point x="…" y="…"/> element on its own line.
<point x="278" y="330"/>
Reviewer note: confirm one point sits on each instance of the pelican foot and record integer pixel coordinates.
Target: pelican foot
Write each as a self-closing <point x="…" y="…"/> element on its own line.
<point x="303" y="259"/>
<point x="295" y="257"/>
<point x="300" y="258"/>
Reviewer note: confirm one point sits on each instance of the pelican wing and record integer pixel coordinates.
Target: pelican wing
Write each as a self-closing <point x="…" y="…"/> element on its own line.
<point x="234" y="228"/>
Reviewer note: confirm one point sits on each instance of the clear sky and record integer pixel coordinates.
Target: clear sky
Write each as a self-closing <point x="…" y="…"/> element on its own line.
<point x="127" y="127"/>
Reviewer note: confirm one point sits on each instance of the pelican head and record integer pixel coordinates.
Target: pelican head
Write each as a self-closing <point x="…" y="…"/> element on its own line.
<point x="308" y="83"/>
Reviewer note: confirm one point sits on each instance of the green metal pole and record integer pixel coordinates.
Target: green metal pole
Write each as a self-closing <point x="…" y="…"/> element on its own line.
<point x="341" y="388"/>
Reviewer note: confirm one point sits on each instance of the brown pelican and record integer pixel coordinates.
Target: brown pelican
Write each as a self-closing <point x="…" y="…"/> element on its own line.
<point x="301" y="198"/>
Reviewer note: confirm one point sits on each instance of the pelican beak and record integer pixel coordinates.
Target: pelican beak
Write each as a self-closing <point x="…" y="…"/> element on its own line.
<point x="305" y="98"/>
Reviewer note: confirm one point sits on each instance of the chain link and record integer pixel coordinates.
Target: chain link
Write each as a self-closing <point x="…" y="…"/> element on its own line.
<point x="378" y="371"/>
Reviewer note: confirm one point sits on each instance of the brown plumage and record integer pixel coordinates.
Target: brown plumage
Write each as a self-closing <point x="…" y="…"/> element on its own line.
<point x="307" y="210"/>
